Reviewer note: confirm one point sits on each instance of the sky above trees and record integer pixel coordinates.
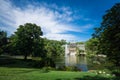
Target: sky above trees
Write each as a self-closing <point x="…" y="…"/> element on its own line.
<point x="72" y="20"/>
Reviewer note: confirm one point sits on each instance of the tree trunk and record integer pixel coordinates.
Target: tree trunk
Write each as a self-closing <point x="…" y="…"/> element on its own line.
<point x="25" y="57"/>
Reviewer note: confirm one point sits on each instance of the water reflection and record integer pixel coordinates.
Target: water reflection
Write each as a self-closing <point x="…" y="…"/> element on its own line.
<point x="82" y="63"/>
<point x="79" y="61"/>
<point x="72" y="60"/>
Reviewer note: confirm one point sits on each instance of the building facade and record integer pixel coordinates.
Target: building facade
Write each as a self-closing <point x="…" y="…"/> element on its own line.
<point x="75" y="49"/>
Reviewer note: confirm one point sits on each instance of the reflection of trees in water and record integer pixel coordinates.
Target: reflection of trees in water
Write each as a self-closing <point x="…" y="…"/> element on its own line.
<point x="96" y="62"/>
<point x="82" y="63"/>
<point x="93" y="62"/>
<point x="79" y="61"/>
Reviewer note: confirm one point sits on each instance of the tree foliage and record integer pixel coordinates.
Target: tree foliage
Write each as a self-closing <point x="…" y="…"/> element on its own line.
<point x="3" y="41"/>
<point x="91" y="46"/>
<point x="27" y="40"/>
<point x="109" y="34"/>
<point x="54" y="48"/>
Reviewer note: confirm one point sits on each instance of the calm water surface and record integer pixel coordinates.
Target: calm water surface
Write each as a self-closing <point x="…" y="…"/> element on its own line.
<point x="79" y="61"/>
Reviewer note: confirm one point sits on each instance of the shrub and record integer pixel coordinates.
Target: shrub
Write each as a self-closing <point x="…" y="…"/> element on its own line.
<point x="39" y="63"/>
<point x="68" y="68"/>
<point x="116" y="72"/>
<point x="47" y="69"/>
<point x="61" y="68"/>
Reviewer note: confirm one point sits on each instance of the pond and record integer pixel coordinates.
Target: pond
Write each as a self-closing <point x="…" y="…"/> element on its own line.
<point x="81" y="62"/>
<point x="71" y="60"/>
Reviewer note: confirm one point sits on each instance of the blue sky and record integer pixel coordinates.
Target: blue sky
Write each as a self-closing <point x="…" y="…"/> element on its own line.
<point x="72" y="20"/>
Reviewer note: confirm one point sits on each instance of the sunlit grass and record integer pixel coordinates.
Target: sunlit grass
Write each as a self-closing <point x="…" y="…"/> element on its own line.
<point x="37" y="74"/>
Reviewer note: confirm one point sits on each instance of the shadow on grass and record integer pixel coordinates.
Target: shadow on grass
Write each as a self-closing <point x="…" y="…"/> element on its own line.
<point x="64" y="79"/>
<point x="7" y="61"/>
<point x="91" y="78"/>
<point x="24" y="71"/>
<point x="97" y="78"/>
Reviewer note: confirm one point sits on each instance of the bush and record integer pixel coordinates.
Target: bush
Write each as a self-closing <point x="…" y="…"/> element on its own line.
<point x="37" y="64"/>
<point x="40" y="63"/>
<point x="116" y="72"/>
<point x="72" y="68"/>
<point x="47" y="69"/>
<point x="68" y="68"/>
<point x="61" y="68"/>
<point x="49" y="62"/>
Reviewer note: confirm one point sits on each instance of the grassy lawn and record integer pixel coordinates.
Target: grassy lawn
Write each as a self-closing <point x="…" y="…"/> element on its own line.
<point x="18" y="69"/>
<point x="37" y="74"/>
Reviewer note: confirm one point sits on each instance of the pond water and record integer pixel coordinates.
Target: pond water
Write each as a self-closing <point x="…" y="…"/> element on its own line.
<point x="82" y="62"/>
<point x="71" y="60"/>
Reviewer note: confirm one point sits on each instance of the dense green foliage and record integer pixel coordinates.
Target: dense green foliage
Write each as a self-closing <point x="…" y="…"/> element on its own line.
<point x="91" y="46"/>
<point x="109" y="35"/>
<point x="54" y="48"/>
<point x="27" y="40"/>
<point x="3" y="41"/>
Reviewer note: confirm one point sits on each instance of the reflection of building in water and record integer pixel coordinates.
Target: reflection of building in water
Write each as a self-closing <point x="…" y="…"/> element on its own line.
<point x="75" y="56"/>
<point x="70" y="60"/>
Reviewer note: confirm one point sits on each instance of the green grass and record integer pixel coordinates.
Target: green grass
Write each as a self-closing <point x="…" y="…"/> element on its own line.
<point x="17" y="69"/>
<point x="38" y="74"/>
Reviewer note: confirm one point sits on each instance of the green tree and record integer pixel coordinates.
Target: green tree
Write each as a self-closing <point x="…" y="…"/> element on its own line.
<point x="13" y="45"/>
<point x="3" y="41"/>
<point x="80" y="42"/>
<point x="92" y="46"/>
<point x="27" y="40"/>
<point x="54" y="48"/>
<point x="109" y="35"/>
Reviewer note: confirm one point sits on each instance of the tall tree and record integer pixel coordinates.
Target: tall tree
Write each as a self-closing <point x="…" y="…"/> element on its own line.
<point x="109" y="34"/>
<point x="3" y="40"/>
<point x="27" y="40"/>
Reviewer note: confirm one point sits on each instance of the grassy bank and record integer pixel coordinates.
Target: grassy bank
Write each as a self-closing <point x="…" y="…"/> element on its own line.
<point x="38" y="74"/>
<point x="17" y="69"/>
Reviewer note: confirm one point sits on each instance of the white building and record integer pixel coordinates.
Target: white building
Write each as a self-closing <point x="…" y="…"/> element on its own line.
<point x="74" y="49"/>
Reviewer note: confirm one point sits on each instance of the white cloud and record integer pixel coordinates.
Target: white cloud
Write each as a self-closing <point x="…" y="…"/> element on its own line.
<point x="67" y="37"/>
<point x="53" y="23"/>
